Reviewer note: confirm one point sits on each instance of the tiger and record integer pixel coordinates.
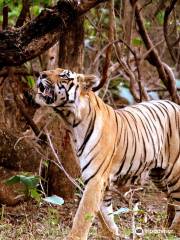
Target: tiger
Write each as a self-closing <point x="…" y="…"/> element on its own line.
<point x="113" y="146"/>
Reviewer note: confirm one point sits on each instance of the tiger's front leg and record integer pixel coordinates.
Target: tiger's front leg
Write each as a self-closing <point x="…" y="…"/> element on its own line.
<point x="88" y="207"/>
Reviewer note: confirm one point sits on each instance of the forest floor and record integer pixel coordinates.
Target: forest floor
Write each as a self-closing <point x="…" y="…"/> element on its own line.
<point x="31" y="221"/>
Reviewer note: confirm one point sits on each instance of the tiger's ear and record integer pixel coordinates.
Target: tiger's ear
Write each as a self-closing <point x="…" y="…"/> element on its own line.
<point x="87" y="82"/>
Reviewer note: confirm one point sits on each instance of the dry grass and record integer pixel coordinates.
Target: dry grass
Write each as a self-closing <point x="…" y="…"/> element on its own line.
<point x="28" y="221"/>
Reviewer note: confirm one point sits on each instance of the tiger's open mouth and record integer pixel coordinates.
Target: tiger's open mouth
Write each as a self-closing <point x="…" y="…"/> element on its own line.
<point x="47" y="95"/>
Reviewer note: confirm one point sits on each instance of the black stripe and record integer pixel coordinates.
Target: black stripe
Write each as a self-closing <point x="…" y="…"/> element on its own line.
<point x="152" y="138"/>
<point x="89" y="108"/>
<point x="114" y="143"/>
<point x="97" y="101"/>
<point x="57" y="111"/>
<point x="132" y="132"/>
<point x="91" y="159"/>
<point x="159" y="107"/>
<point x="75" y="92"/>
<point x="134" y="141"/>
<point x="132" y="159"/>
<point x="153" y="123"/>
<point x="135" y="122"/>
<point x="118" y="113"/>
<point x="123" y="159"/>
<point x="169" y="173"/>
<point x="107" y="108"/>
<point x="71" y="85"/>
<point x="87" y="180"/>
<point x="94" y="146"/>
<point x="139" y="167"/>
<point x="144" y="127"/>
<point x="176" y="112"/>
<point x="167" y="113"/>
<point x="174" y="181"/>
<point x="144" y="146"/>
<point x="157" y="117"/>
<point x="75" y="124"/>
<point x="88" y="134"/>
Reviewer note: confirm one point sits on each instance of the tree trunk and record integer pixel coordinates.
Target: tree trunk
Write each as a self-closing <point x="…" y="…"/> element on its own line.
<point x="71" y="57"/>
<point x="71" y="47"/>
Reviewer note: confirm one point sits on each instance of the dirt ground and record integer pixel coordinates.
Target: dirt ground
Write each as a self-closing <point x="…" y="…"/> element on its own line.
<point x="32" y="221"/>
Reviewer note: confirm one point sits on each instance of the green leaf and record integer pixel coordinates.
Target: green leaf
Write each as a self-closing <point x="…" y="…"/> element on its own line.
<point x="160" y="17"/>
<point x="28" y="181"/>
<point x="46" y="163"/>
<point x="31" y="81"/>
<point x="137" y="41"/>
<point x="147" y="24"/>
<point x="35" y="194"/>
<point x="54" y="200"/>
<point x="13" y="180"/>
<point x="36" y="9"/>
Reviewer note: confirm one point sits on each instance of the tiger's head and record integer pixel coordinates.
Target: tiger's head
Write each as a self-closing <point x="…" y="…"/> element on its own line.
<point x="61" y="87"/>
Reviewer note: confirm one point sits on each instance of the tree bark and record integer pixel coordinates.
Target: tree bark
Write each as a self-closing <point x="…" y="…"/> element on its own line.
<point x="71" y="47"/>
<point x="18" y="153"/>
<point x="27" y="42"/>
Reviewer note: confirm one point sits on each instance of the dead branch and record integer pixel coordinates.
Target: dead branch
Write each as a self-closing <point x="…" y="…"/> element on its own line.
<point x="129" y="35"/>
<point x="25" y="43"/>
<point x="145" y="55"/>
<point x="160" y="6"/>
<point x="109" y="48"/>
<point x="24" y="12"/>
<point x="142" y="92"/>
<point x="176" y="42"/>
<point x="165" y="28"/>
<point x="5" y="17"/>
<point x="124" y="65"/>
<point x="154" y="58"/>
<point x="59" y="163"/>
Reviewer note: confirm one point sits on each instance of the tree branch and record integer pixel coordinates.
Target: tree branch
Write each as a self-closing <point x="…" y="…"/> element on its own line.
<point x="165" y="27"/>
<point x="24" y="12"/>
<point x="109" y="48"/>
<point x="5" y="17"/>
<point x="153" y="56"/>
<point x="27" y="42"/>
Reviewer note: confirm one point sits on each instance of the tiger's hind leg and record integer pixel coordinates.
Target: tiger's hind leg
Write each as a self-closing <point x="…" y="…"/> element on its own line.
<point x="173" y="179"/>
<point x="175" y="196"/>
<point x="106" y="217"/>
<point x="172" y="187"/>
<point x="175" y="226"/>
